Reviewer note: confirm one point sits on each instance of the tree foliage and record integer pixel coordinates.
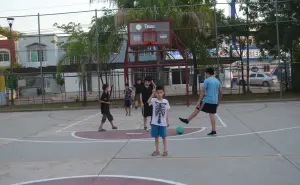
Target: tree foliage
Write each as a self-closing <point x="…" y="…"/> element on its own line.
<point x="5" y="32"/>
<point x="109" y="37"/>
<point x="288" y="24"/>
<point x="79" y="46"/>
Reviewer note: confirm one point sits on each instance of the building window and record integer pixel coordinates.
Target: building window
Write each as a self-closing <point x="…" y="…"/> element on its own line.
<point x="4" y="56"/>
<point x="73" y="60"/>
<point x="36" y="54"/>
<point x="266" y="68"/>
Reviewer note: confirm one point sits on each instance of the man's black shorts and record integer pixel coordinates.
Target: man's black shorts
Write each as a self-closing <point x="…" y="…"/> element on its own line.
<point x="207" y="107"/>
<point x="147" y="110"/>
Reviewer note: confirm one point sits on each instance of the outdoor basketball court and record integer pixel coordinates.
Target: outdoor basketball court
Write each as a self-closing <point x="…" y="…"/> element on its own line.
<point x="257" y="144"/>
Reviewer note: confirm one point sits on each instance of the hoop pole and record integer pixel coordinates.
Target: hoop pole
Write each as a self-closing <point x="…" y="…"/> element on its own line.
<point x="187" y="85"/>
<point x="126" y="65"/>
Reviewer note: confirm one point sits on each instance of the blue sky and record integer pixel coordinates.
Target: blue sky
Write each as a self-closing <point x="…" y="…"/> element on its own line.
<point x="29" y="25"/>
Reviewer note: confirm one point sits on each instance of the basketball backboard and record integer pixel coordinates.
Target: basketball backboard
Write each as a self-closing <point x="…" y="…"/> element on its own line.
<point x="154" y="33"/>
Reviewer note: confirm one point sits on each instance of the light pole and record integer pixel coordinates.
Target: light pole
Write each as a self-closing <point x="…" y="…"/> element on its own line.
<point x="10" y="21"/>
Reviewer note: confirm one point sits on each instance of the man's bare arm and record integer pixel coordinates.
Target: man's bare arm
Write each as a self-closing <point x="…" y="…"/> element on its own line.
<point x="202" y="94"/>
<point x="104" y="102"/>
<point x="141" y="99"/>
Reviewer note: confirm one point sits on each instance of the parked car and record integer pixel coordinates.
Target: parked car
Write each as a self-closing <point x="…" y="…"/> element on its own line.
<point x="260" y="79"/>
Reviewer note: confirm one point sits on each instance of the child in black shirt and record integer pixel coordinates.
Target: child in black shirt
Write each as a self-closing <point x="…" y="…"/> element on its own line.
<point x="105" y="102"/>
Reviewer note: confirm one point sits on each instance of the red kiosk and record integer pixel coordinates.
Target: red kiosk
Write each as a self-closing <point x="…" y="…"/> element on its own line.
<point x="158" y="35"/>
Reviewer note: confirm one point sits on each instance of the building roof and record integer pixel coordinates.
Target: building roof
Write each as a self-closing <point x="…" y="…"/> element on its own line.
<point x="3" y="37"/>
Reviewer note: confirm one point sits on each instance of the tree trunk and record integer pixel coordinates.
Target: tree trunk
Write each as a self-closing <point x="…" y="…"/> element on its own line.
<point x="62" y="97"/>
<point x="194" y="87"/>
<point x="83" y="71"/>
<point x="84" y="88"/>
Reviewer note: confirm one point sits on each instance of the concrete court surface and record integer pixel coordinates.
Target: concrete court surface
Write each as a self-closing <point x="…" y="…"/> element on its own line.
<point x="257" y="143"/>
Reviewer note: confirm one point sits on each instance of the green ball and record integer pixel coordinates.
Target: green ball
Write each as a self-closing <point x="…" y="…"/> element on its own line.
<point x="179" y="130"/>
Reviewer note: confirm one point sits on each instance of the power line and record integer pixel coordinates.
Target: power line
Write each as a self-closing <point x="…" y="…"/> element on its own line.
<point x="48" y="30"/>
<point x="175" y="6"/>
<point x="44" y="7"/>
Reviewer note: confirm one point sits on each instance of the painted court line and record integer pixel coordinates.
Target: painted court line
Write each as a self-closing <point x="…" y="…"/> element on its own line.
<point x="79" y="122"/>
<point x="112" y="176"/>
<point x="147" y="140"/>
<point x="222" y="122"/>
<point x="126" y="140"/>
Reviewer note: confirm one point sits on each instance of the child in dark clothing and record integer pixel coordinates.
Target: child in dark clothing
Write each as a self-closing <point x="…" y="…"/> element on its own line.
<point x="105" y="102"/>
<point x="128" y="100"/>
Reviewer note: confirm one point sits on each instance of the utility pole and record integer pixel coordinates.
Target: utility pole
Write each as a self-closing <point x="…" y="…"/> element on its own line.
<point x="10" y="23"/>
<point x="97" y="54"/>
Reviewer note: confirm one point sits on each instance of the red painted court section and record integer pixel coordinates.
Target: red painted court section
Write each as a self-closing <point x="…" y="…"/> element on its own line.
<point x="99" y="181"/>
<point x="127" y="134"/>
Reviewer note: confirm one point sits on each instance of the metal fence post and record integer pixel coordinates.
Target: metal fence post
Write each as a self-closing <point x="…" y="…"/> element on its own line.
<point x="40" y="60"/>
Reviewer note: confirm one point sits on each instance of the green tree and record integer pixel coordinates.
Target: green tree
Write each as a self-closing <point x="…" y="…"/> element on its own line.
<point x="266" y="14"/>
<point x="60" y="82"/>
<point x="109" y="38"/>
<point x="236" y="30"/>
<point x="79" y="46"/>
<point x="5" y="32"/>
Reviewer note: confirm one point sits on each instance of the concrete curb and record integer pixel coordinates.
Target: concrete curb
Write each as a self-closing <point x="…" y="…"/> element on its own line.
<point x="119" y="106"/>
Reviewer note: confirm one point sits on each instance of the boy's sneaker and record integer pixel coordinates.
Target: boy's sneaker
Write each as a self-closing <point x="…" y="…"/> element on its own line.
<point x="186" y="121"/>
<point x="212" y="133"/>
<point x="101" y="130"/>
<point x="114" y="127"/>
<point x="146" y="129"/>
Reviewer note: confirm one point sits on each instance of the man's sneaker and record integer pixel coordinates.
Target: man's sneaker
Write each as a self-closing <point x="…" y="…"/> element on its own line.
<point x="114" y="127"/>
<point x="186" y="121"/>
<point x="212" y="133"/>
<point x="146" y="129"/>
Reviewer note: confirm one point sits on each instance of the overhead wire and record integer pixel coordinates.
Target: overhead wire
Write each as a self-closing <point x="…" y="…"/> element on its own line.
<point x="174" y="6"/>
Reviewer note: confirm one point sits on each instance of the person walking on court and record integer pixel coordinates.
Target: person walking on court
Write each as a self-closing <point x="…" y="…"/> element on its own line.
<point x="138" y="89"/>
<point x="128" y="99"/>
<point x="209" y="100"/>
<point x="105" y="102"/>
<point x="145" y="95"/>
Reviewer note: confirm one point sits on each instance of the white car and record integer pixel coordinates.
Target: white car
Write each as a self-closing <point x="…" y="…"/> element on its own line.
<point x="260" y="79"/>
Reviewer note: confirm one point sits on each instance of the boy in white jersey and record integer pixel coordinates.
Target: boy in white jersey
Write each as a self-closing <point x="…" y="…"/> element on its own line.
<point x="160" y="121"/>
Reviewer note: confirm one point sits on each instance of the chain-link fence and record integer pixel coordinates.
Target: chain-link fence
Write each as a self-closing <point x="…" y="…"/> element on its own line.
<point x="65" y="57"/>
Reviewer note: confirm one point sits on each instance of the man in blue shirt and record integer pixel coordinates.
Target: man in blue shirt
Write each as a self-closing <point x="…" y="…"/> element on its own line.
<point x="209" y="100"/>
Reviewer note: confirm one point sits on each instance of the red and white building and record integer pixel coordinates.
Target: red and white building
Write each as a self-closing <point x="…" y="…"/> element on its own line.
<point x="5" y="52"/>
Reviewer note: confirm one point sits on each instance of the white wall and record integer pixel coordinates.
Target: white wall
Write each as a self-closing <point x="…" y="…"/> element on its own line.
<point x="71" y="82"/>
<point x="53" y="52"/>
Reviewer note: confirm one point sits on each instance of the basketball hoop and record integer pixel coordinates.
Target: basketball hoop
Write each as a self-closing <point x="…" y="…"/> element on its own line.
<point x="149" y="43"/>
<point x="149" y="33"/>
